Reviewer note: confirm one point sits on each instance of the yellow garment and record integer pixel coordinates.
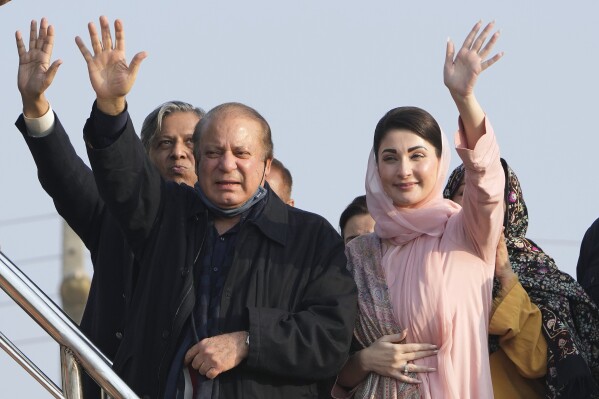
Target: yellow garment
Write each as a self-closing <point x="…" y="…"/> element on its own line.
<point x="518" y="367"/>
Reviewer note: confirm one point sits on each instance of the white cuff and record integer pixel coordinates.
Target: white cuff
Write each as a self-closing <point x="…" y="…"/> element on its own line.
<point x="42" y="126"/>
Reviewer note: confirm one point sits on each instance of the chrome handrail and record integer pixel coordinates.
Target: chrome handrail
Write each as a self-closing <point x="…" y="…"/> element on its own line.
<point x="30" y="367"/>
<point x="62" y="329"/>
<point x="71" y="374"/>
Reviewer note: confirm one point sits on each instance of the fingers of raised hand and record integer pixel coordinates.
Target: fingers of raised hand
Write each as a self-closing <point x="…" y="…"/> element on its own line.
<point x="106" y="35"/>
<point x="449" y="53"/>
<point x="21" y="50"/>
<point x="471" y="36"/>
<point x="491" y="61"/>
<point x="36" y="41"/>
<point x="484" y="52"/>
<point x="480" y="40"/>
<point x="32" y="34"/>
<point x="136" y="62"/>
<point x="53" y="69"/>
<point x="43" y="32"/>
<point x="48" y="43"/>
<point x="119" y="35"/>
<point x="84" y="51"/>
<point x="475" y="43"/>
<point x="42" y="41"/>
<point x="94" y="38"/>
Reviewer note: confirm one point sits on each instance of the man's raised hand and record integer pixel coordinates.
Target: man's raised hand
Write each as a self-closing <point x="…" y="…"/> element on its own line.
<point x="35" y="71"/>
<point x="109" y="74"/>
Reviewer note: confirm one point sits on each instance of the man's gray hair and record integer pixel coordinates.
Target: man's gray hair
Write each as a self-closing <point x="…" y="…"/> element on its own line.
<point x="153" y="122"/>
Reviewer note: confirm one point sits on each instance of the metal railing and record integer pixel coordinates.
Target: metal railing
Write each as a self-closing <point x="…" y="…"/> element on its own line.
<point x="76" y="349"/>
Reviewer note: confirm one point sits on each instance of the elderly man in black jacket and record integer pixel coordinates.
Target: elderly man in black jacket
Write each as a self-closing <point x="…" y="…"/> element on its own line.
<point x="238" y="295"/>
<point x="167" y="134"/>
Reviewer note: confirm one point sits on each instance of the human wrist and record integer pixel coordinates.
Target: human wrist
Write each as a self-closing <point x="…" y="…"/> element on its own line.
<point x="362" y="360"/>
<point x="35" y="107"/>
<point x="111" y="106"/>
<point x="462" y="99"/>
<point x="507" y="280"/>
<point x="244" y="346"/>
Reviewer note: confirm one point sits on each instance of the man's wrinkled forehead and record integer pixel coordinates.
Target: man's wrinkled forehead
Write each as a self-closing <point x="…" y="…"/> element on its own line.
<point x="236" y="121"/>
<point x="231" y="121"/>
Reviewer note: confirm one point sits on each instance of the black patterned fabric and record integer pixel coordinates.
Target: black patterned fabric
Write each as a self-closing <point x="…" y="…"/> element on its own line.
<point x="570" y="318"/>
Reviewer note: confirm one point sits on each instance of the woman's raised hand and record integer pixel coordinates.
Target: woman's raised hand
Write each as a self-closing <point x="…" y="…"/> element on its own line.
<point x="461" y="70"/>
<point x="389" y="357"/>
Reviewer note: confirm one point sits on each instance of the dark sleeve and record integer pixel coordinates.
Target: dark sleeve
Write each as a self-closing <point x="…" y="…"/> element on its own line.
<point x="127" y="181"/>
<point x="68" y="180"/>
<point x="583" y="256"/>
<point x="313" y="342"/>
<point x="587" y="269"/>
<point x="107" y="128"/>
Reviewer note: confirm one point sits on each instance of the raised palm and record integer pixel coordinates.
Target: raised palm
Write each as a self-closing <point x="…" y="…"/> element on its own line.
<point x="461" y="71"/>
<point x="109" y="73"/>
<point x="35" y="71"/>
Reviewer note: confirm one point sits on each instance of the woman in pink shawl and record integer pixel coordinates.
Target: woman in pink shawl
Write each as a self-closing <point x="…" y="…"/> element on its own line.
<point x="425" y="276"/>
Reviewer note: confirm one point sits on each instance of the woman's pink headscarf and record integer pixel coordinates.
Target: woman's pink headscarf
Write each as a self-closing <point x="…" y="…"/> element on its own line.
<point x="413" y="268"/>
<point x="402" y="225"/>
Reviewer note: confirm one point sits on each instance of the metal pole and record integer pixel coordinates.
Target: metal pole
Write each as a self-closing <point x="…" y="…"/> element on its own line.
<point x="30" y="367"/>
<point x="49" y="316"/>
<point x="75" y="281"/>
<point x="71" y="374"/>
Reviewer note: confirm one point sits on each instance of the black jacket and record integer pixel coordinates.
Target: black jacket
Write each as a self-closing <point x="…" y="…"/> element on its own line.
<point x="587" y="269"/>
<point x="70" y="183"/>
<point x="288" y="284"/>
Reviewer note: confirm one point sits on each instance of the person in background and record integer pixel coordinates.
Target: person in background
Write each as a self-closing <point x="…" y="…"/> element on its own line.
<point x="587" y="268"/>
<point x="280" y="181"/>
<point x="355" y="220"/>
<point x="167" y="133"/>
<point x="425" y="276"/>
<point x="543" y="324"/>
<point x="238" y="295"/>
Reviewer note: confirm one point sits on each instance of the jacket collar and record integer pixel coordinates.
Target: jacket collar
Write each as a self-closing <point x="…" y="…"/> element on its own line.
<point x="272" y="222"/>
<point x="274" y="218"/>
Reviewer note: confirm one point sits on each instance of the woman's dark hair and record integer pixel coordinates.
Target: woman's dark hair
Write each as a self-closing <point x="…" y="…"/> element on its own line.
<point x="355" y="208"/>
<point x="413" y="119"/>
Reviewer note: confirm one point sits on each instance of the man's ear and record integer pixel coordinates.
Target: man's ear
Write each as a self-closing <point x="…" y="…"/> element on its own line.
<point x="267" y="164"/>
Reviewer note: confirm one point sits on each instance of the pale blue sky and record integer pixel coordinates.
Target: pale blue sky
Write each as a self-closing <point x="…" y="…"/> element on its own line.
<point x="322" y="73"/>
